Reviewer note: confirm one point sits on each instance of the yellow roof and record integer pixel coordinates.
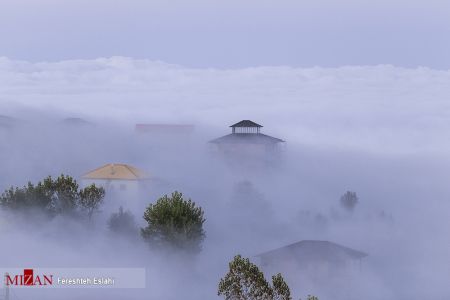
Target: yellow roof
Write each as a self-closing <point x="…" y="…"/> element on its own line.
<point x="116" y="171"/>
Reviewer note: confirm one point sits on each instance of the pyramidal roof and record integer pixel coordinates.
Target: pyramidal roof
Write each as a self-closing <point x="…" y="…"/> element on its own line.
<point x="116" y="171"/>
<point x="246" y="123"/>
<point x="310" y="249"/>
<point x="246" y="138"/>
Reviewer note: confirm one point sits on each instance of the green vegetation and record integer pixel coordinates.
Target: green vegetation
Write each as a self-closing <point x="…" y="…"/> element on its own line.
<point x="171" y="222"/>
<point x="349" y="200"/>
<point x="122" y="223"/>
<point x="280" y="288"/>
<point x="174" y="222"/>
<point x="244" y="281"/>
<point x="91" y="198"/>
<point x="53" y="196"/>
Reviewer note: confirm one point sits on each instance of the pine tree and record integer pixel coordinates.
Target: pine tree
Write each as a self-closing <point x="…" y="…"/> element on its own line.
<point x="174" y="222"/>
<point x="244" y="281"/>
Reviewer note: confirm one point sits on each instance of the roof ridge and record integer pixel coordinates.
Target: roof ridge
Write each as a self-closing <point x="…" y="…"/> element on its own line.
<point x="96" y="169"/>
<point x="132" y="172"/>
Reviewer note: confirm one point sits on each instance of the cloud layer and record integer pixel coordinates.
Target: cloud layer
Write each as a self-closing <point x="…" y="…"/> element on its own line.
<point x="376" y="108"/>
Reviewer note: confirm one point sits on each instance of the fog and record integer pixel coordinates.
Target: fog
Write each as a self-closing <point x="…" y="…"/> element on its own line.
<point x="379" y="131"/>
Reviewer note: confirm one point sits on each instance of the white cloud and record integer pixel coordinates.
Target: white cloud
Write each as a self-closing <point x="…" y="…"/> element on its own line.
<point x="375" y="108"/>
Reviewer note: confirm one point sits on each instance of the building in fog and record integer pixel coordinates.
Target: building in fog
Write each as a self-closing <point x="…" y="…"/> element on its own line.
<point x="121" y="177"/>
<point x="76" y="122"/>
<point x="247" y="141"/>
<point x="313" y="259"/>
<point x="121" y="181"/>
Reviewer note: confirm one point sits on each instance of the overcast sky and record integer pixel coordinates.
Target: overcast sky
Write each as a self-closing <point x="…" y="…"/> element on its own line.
<point x="230" y="34"/>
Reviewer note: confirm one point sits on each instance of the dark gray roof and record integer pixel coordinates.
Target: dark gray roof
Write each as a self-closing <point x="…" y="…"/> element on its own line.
<point x="246" y="123"/>
<point x="309" y="250"/>
<point x="74" y="121"/>
<point x="246" y="138"/>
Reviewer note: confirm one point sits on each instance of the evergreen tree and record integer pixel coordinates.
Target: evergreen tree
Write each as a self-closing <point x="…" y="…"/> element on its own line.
<point x="174" y="222"/>
<point x="122" y="222"/>
<point x="53" y="196"/>
<point x="349" y="200"/>
<point x="91" y="197"/>
<point x="244" y="281"/>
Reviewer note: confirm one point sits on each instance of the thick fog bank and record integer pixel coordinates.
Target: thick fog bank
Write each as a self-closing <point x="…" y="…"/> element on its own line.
<point x="377" y="131"/>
